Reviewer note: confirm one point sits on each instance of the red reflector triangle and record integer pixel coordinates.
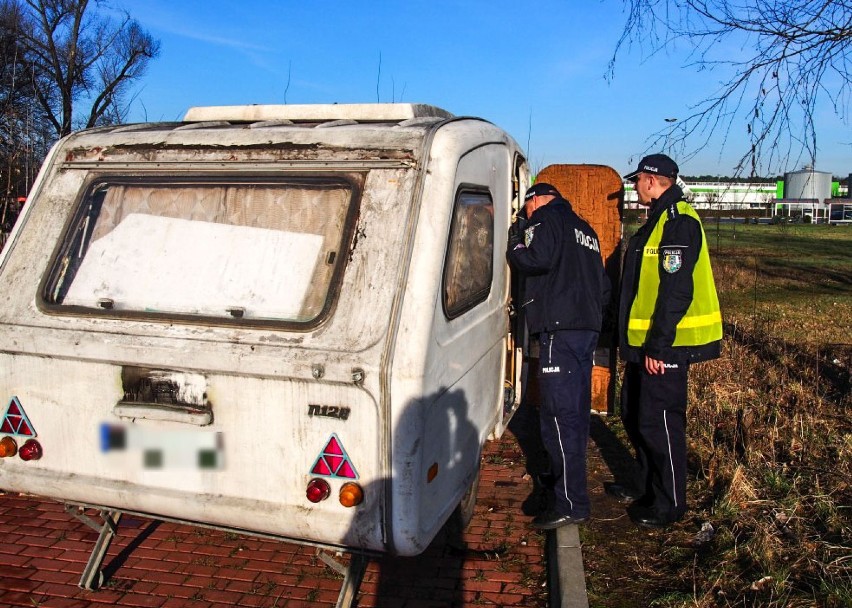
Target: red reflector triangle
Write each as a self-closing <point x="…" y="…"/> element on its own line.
<point x="321" y="468"/>
<point x="333" y="461"/>
<point x="15" y="420"/>
<point x="346" y="471"/>
<point x="333" y="447"/>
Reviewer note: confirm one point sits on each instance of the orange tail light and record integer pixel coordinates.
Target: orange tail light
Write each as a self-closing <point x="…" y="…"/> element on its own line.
<point x="351" y="494"/>
<point x="8" y="447"/>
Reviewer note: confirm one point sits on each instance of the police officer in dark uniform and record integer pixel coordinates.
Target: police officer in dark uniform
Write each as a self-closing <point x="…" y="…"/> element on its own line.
<point x="566" y="290"/>
<point x="669" y="318"/>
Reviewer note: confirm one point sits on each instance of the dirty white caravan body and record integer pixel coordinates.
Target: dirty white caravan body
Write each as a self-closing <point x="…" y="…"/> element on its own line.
<point x="220" y="319"/>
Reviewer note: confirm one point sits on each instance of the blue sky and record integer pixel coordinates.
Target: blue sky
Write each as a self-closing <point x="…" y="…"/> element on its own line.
<point x="536" y="69"/>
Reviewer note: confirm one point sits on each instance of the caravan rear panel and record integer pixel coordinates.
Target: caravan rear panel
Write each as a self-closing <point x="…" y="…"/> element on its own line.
<point x="202" y="318"/>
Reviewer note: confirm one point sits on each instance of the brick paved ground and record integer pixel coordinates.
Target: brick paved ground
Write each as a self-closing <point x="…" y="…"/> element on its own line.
<point x="498" y="561"/>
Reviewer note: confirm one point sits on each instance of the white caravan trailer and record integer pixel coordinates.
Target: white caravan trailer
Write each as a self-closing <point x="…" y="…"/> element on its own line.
<point x="285" y="320"/>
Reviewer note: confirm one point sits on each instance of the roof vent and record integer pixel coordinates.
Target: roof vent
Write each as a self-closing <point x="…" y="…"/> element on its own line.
<point x="337" y="123"/>
<point x="361" y="112"/>
<point x="203" y="125"/>
<point x="419" y="121"/>
<point x="270" y="123"/>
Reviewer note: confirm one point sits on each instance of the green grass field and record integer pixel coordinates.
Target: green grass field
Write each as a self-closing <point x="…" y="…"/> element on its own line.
<point x="794" y="281"/>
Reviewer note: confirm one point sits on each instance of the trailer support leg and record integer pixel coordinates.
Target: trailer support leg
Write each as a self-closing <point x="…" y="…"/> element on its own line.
<point x="93" y="577"/>
<point x="353" y="574"/>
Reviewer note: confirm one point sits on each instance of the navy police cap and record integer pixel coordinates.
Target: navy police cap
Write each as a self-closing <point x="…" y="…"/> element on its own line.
<point x="658" y="164"/>
<point x="541" y="189"/>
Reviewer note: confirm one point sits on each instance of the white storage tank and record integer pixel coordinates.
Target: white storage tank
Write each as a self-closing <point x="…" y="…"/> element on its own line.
<point x="807" y="183"/>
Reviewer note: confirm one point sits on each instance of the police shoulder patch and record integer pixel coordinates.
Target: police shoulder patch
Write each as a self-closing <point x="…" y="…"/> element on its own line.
<point x="528" y="235"/>
<point x="672" y="260"/>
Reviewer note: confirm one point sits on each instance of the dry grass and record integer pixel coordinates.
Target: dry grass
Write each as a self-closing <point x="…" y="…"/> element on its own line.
<point x="775" y="443"/>
<point x="770" y="429"/>
<point x="770" y="433"/>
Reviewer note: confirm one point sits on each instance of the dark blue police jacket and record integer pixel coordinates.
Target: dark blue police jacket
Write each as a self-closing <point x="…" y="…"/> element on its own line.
<point x="566" y="284"/>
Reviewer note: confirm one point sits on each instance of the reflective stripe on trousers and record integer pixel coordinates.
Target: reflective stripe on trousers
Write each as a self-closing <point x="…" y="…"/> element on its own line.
<point x="565" y="369"/>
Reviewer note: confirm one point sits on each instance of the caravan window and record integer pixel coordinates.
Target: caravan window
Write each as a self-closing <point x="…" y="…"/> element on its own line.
<point x="259" y="250"/>
<point x="470" y="255"/>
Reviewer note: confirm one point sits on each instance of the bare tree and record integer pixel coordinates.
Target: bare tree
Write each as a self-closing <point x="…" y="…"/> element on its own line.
<point x="14" y="98"/>
<point x="80" y="56"/>
<point x="25" y="134"/>
<point x="780" y="60"/>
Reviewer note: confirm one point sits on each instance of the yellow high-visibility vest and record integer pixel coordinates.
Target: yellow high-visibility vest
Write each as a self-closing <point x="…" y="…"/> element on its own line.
<point x="702" y="323"/>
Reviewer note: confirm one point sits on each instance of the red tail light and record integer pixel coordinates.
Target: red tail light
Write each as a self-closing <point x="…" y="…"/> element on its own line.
<point x="8" y="447"/>
<point x="31" y="450"/>
<point x="318" y="490"/>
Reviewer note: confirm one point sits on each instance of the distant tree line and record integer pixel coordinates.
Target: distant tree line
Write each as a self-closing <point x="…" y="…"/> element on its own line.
<point x="64" y="65"/>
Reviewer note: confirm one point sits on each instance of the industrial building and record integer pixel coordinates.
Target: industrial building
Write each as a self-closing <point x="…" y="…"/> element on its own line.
<point x="805" y="195"/>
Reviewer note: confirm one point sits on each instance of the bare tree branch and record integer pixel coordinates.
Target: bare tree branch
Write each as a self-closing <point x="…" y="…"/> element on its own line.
<point x="80" y="56"/>
<point x="780" y="61"/>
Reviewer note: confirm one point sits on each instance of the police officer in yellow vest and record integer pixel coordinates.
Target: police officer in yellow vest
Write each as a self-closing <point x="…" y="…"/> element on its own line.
<point x="669" y="318"/>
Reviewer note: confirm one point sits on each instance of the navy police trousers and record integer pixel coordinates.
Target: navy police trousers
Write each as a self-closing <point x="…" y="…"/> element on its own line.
<point x="653" y="410"/>
<point x="565" y="381"/>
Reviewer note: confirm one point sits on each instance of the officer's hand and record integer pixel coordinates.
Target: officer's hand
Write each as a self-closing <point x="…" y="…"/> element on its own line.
<point x="654" y="366"/>
<point x="516" y="232"/>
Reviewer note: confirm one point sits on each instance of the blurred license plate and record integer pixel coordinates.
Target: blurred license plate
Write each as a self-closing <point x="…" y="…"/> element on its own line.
<point x="163" y="449"/>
